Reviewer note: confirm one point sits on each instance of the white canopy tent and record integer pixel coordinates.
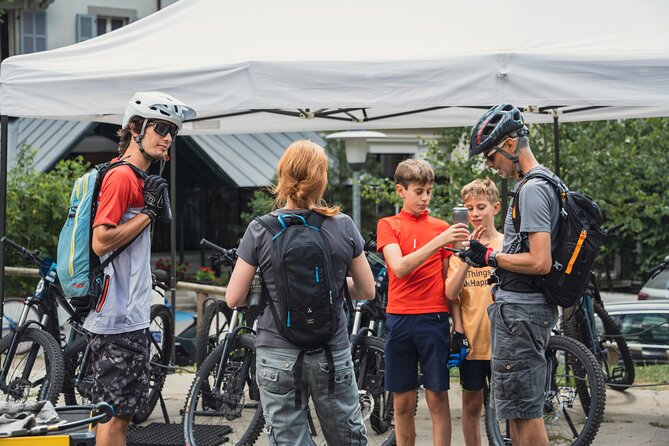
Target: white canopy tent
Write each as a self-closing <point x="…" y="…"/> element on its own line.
<point x="261" y="62"/>
<point x="256" y="65"/>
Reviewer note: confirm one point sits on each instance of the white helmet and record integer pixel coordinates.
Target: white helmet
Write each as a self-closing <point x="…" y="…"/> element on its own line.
<point x="157" y="105"/>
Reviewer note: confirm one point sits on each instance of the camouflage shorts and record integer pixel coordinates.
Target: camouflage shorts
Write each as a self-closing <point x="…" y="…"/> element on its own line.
<point x="120" y="364"/>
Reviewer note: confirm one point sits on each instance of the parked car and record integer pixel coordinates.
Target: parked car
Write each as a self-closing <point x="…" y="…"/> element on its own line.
<point x="657" y="287"/>
<point x="645" y="325"/>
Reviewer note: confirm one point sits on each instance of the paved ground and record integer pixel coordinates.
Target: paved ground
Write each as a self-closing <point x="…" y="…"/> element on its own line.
<point x="635" y="417"/>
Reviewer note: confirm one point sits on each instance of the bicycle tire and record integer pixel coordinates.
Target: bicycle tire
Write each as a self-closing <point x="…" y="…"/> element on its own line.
<point x="369" y="368"/>
<point x="568" y="362"/>
<point x="211" y="329"/>
<point x="11" y="313"/>
<point x="226" y="404"/>
<point x="622" y="375"/>
<point x="42" y="360"/>
<point x="162" y="342"/>
<point x="81" y="393"/>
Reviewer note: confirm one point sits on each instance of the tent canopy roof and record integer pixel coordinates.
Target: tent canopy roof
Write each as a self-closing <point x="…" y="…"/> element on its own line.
<point x="260" y="63"/>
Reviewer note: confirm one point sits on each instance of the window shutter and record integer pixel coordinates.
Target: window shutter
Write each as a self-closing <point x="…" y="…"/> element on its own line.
<point x="33" y="31"/>
<point x="85" y="27"/>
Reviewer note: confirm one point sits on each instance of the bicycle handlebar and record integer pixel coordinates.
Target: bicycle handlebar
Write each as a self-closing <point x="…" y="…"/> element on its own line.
<point x="32" y="256"/>
<point x="613" y="230"/>
<point x="227" y="257"/>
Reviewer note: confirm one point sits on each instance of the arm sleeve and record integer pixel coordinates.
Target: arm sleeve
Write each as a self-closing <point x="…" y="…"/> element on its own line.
<point x="354" y="236"/>
<point x="384" y="234"/>
<point x="535" y="206"/>
<point x="248" y="247"/>
<point x="115" y="197"/>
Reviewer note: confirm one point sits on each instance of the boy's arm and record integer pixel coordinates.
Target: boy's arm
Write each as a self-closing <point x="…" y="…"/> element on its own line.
<point x="454" y="307"/>
<point x="456" y="314"/>
<point x="403" y="265"/>
<point x="455" y="282"/>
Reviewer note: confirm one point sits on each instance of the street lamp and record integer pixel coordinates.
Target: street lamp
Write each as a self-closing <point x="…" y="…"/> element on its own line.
<point x="355" y="142"/>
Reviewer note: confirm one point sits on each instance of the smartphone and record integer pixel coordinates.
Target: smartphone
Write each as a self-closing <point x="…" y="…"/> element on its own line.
<point x="460" y="214"/>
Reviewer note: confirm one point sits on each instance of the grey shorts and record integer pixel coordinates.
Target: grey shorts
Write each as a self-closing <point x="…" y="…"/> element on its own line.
<point x="120" y="364"/>
<point x="519" y="335"/>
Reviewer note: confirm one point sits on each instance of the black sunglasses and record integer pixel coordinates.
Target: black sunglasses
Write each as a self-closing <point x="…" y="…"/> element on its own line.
<point x="163" y="128"/>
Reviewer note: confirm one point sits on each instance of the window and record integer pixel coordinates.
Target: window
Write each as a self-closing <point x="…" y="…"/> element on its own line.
<point x="107" y="24"/>
<point x="33" y="31"/>
<point x="645" y="328"/>
<point x="101" y="20"/>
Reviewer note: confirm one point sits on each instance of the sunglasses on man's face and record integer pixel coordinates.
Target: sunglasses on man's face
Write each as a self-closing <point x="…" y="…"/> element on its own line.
<point x="163" y="128"/>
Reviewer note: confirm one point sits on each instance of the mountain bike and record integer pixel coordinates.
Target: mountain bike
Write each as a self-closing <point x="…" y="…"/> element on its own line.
<point x="223" y="404"/>
<point x="76" y="382"/>
<point x="602" y="337"/>
<point x="32" y="361"/>
<point x="575" y="397"/>
<point x="216" y="314"/>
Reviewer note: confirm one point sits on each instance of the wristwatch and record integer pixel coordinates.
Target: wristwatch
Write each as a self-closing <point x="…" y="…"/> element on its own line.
<point x="492" y="259"/>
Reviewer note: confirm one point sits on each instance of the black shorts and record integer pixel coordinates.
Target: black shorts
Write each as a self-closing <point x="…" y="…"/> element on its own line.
<point x="120" y="364"/>
<point x="474" y="375"/>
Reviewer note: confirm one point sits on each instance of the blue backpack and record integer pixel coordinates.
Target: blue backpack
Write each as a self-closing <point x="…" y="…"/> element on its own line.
<point x="79" y="268"/>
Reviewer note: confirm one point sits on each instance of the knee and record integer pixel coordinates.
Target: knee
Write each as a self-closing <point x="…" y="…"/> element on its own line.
<point x="404" y="405"/>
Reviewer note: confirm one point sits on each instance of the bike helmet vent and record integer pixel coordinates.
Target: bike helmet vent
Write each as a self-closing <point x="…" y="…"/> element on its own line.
<point x="501" y="121"/>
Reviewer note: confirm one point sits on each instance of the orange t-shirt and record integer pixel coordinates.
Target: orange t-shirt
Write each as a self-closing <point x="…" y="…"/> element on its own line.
<point x="421" y="291"/>
<point x="475" y="297"/>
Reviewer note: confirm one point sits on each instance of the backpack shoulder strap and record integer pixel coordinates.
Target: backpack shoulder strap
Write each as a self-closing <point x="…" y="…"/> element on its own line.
<point x="270" y="222"/>
<point x="315" y="219"/>
<point x="103" y="169"/>
<point x="559" y="187"/>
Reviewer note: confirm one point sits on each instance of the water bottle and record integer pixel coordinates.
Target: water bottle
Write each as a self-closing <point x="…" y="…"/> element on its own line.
<point x="254" y="298"/>
<point x="460" y="214"/>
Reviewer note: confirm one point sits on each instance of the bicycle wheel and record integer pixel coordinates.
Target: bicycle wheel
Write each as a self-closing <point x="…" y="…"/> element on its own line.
<point x="11" y="313"/>
<point x="614" y="352"/>
<point x="375" y="402"/>
<point x="211" y="329"/>
<point x="80" y="393"/>
<point x="567" y="420"/>
<point x="36" y="370"/>
<point x="227" y="411"/>
<point x="162" y="341"/>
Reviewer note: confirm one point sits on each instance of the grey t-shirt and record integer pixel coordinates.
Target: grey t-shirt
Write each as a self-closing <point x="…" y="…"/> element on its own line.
<point x="255" y="248"/>
<point x="540" y="212"/>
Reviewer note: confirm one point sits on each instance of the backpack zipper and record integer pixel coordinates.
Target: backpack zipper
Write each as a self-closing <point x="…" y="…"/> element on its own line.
<point x="577" y="249"/>
<point x="76" y="218"/>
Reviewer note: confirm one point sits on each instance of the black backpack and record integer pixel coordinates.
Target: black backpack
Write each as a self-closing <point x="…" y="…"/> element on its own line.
<point x="309" y="303"/>
<point x="579" y="239"/>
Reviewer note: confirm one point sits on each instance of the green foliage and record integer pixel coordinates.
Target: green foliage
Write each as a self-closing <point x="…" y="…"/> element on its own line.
<point x="37" y="206"/>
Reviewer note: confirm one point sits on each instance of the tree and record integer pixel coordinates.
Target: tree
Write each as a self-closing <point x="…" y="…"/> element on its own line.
<point x="37" y="206"/>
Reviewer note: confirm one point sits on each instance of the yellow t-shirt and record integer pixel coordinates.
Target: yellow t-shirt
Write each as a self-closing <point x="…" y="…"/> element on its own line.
<point x="475" y="297"/>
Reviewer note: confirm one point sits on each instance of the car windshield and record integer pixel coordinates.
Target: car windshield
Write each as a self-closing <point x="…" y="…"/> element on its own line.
<point x="661" y="281"/>
<point x="644" y="328"/>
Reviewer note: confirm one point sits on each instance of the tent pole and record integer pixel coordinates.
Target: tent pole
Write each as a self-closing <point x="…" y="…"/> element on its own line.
<point x="173" y="241"/>
<point x="4" y="130"/>
<point x="556" y="143"/>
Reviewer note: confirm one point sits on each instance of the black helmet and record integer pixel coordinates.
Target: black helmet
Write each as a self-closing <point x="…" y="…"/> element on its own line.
<point x="503" y="120"/>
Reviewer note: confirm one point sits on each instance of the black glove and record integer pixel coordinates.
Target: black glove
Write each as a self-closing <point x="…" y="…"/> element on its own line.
<point x="477" y="255"/>
<point x="459" y="349"/>
<point x="153" y="195"/>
